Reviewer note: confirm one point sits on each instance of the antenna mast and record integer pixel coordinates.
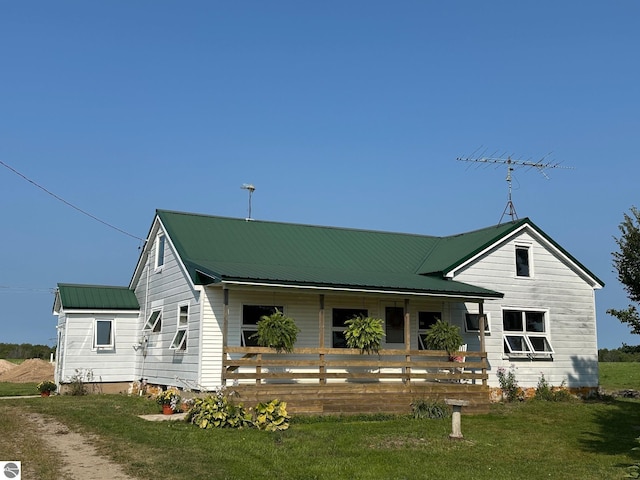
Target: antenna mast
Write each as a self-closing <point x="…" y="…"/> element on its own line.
<point x="251" y="189"/>
<point x="540" y="165"/>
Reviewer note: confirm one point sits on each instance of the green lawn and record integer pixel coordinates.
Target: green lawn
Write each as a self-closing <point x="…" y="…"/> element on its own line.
<point x="619" y="375"/>
<point x="13" y="389"/>
<point x="533" y="440"/>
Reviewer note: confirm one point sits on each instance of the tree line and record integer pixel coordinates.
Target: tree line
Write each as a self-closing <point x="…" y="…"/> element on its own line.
<point x="25" y="351"/>
<point x="626" y="353"/>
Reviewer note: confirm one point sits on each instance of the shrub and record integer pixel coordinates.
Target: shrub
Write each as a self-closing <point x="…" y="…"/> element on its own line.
<point x="364" y="333"/>
<point x="77" y="387"/>
<point x="218" y="411"/>
<point x="546" y="392"/>
<point x="277" y="331"/>
<point x="509" y="385"/>
<point x="426" y="409"/>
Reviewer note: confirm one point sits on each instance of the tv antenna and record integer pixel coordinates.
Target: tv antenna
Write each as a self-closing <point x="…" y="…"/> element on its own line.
<point x="540" y="165"/>
<point x="251" y="189"/>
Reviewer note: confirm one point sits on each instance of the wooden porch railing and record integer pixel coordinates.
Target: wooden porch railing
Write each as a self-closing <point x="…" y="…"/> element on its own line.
<point x="331" y="365"/>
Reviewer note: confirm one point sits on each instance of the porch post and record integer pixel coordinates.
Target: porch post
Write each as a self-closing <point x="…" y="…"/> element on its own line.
<point x="225" y="328"/>
<point x="322" y="368"/>
<point x="407" y="340"/>
<point x="483" y="349"/>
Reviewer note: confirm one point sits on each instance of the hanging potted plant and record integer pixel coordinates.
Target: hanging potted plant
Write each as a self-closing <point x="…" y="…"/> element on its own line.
<point x="443" y="336"/>
<point x="364" y="333"/>
<point x="277" y="331"/>
<point x="45" y="388"/>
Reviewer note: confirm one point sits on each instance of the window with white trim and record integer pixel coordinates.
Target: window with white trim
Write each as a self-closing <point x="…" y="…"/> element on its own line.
<point x="160" y="247"/>
<point x="154" y="322"/>
<point x="103" y="338"/>
<point x="472" y="322"/>
<point x="525" y="333"/>
<point x="179" y="341"/>
<point x="523" y="268"/>
<point x="338" y="324"/>
<point x="425" y="320"/>
<point x="251" y="315"/>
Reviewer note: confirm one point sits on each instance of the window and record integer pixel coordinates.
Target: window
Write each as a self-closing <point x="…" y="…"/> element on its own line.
<point x="522" y="262"/>
<point x="103" y="334"/>
<point x="179" y="341"/>
<point x="472" y="322"/>
<point x="160" y="251"/>
<point x="394" y="324"/>
<point x="251" y="315"/>
<point x="425" y="320"/>
<point x="154" y="322"/>
<point x="525" y="333"/>
<point x="338" y="325"/>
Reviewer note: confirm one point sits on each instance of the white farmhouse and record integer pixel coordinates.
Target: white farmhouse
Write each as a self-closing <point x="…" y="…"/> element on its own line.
<point x="202" y="283"/>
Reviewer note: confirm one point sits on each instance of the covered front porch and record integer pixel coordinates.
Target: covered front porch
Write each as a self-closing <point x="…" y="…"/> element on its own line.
<point x="326" y="380"/>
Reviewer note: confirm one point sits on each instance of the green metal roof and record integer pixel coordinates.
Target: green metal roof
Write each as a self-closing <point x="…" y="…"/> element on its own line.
<point x="216" y="249"/>
<point x="97" y="297"/>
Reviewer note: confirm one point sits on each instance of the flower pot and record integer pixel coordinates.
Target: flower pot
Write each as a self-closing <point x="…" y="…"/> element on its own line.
<point x="45" y="394"/>
<point x="167" y="410"/>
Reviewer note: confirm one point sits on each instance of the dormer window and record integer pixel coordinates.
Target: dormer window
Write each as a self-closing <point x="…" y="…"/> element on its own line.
<point x="522" y="262"/>
<point x="160" y="244"/>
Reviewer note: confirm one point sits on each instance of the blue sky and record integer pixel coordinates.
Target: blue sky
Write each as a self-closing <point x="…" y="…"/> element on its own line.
<point x="342" y="113"/>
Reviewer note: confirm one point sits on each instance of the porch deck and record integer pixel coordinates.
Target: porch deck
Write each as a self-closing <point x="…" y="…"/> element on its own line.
<point x="343" y="381"/>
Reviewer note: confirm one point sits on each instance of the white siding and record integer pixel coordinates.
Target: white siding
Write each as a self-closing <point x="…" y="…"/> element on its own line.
<point x="168" y="287"/>
<point x="554" y="287"/>
<point x="79" y="356"/>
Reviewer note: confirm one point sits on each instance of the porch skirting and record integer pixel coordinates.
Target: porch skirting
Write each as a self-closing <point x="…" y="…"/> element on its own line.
<point x="362" y="398"/>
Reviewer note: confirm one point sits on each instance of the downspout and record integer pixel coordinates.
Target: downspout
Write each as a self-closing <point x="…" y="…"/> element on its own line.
<point x="144" y="319"/>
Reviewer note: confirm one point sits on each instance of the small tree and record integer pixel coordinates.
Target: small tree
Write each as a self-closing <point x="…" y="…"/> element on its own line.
<point x="277" y="331"/>
<point x="627" y="263"/>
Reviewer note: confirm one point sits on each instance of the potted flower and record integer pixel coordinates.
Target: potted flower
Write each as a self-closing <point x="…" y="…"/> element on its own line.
<point x="45" y="388"/>
<point x="169" y="400"/>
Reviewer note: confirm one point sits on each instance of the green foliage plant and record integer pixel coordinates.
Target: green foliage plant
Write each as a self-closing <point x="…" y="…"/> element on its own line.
<point x="364" y="333"/>
<point x="78" y="385"/>
<point x="271" y="416"/>
<point x="218" y="411"/>
<point x="277" y="331"/>
<point x="545" y="392"/>
<point x="443" y="336"/>
<point x="509" y="385"/>
<point x="429" y="409"/>
<point x="627" y="263"/>
<point x="46" y="387"/>
<point x="633" y="471"/>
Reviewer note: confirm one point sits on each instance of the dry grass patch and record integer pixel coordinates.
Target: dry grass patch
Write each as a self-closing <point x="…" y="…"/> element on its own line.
<point x="21" y="442"/>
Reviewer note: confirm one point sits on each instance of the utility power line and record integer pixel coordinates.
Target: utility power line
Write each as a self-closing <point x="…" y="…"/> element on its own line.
<point x="69" y="204"/>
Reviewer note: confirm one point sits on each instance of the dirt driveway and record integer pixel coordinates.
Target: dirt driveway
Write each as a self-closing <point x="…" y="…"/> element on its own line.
<point x="79" y="458"/>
